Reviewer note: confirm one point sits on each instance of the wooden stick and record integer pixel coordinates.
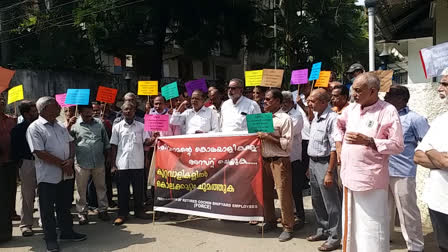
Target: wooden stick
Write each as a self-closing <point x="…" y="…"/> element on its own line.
<point x="171" y="102"/>
<point x="103" y="110"/>
<point x="312" y="86"/>
<point x="15" y="109"/>
<point x="76" y="111"/>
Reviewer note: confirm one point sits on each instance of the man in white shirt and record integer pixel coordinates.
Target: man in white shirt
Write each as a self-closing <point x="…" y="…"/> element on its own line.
<point x="235" y="109"/>
<point x="298" y="174"/>
<point x="198" y="119"/>
<point x="432" y="153"/>
<point x="127" y="140"/>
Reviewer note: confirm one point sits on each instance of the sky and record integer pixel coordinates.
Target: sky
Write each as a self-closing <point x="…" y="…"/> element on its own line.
<point x="359" y="2"/>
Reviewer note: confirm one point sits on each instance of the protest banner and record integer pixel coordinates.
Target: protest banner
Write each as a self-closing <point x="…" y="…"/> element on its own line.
<point x="385" y="77"/>
<point x="299" y="76"/>
<point x="195" y="85"/>
<point x="324" y="79"/>
<point x="15" y="94"/>
<point x="434" y="59"/>
<point x="315" y="71"/>
<point x="170" y="91"/>
<point x="157" y="122"/>
<point x="253" y="78"/>
<point x="77" y="97"/>
<point x="272" y="78"/>
<point x="260" y="123"/>
<point x="148" y="88"/>
<point x="5" y="78"/>
<point x="214" y="176"/>
<point x="60" y="98"/>
<point x="106" y="94"/>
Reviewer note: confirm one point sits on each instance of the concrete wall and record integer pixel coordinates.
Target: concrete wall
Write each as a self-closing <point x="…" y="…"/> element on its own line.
<point x="415" y="69"/>
<point x="425" y="101"/>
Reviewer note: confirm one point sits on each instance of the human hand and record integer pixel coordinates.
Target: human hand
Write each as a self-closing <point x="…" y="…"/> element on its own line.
<point x="182" y="107"/>
<point x="67" y="166"/>
<point x="357" y="138"/>
<point x="72" y="120"/>
<point x="328" y="180"/>
<point x="113" y="169"/>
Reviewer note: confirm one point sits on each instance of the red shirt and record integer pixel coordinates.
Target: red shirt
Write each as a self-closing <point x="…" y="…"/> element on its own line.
<point x="6" y="124"/>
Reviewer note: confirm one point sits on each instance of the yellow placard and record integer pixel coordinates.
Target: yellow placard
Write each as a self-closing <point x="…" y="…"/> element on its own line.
<point x="272" y="78"/>
<point x="385" y="77"/>
<point x="253" y="78"/>
<point x="15" y="94"/>
<point x="324" y="79"/>
<point x="148" y="88"/>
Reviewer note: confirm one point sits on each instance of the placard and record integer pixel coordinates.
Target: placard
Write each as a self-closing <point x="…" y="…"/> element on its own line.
<point x="385" y="77"/>
<point x="434" y="59"/>
<point x="60" y="98"/>
<point x="195" y="85"/>
<point x="314" y="75"/>
<point x="5" y="78"/>
<point x="272" y="78"/>
<point x="324" y="79"/>
<point x="148" y="88"/>
<point x="260" y="123"/>
<point x="253" y="78"/>
<point x="170" y="91"/>
<point x="15" y="94"/>
<point x="299" y="76"/>
<point x="157" y="122"/>
<point x="106" y="94"/>
<point x="77" y="97"/>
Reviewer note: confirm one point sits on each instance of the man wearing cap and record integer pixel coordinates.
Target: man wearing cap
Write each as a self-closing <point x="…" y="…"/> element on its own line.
<point x="353" y="72"/>
<point x="54" y="150"/>
<point x="432" y="153"/>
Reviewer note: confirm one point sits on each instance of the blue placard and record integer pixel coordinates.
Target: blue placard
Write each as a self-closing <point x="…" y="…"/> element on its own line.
<point x="315" y="71"/>
<point x="77" y="96"/>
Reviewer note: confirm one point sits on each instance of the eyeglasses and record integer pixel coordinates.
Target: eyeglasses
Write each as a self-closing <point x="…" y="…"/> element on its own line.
<point x="444" y="84"/>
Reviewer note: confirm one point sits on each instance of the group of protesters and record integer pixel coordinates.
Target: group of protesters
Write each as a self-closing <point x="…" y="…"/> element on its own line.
<point x="355" y="150"/>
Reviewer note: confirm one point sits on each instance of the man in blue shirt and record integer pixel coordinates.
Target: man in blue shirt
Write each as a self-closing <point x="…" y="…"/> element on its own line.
<point x="402" y="170"/>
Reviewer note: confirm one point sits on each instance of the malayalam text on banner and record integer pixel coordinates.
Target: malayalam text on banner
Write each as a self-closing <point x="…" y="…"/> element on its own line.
<point x="148" y="88"/>
<point x="211" y="176"/>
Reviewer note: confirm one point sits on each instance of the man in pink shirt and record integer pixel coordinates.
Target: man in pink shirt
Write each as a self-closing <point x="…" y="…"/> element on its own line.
<point x="367" y="133"/>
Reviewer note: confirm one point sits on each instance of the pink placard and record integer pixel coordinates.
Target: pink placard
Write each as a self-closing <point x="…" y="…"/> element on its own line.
<point x="157" y="122"/>
<point x="60" y="98"/>
<point x="299" y="76"/>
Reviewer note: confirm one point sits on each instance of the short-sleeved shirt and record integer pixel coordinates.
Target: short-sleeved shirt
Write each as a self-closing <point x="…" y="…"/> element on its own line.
<point x="233" y="116"/>
<point x="54" y="139"/>
<point x="205" y="120"/>
<point x="415" y="127"/>
<point x="129" y="139"/>
<point x="6" y="124"/>
<point x="322" y="134"/>
<point x="91" y="141"/>
<point x="282" y="130"/>
<point x="297" y="125"/>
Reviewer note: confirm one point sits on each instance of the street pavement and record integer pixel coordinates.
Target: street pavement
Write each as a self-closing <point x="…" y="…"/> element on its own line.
<point x="183" y="234"/>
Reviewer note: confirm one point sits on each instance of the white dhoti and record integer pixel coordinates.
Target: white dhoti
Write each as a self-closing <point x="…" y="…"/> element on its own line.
<point x="365" y="221"/>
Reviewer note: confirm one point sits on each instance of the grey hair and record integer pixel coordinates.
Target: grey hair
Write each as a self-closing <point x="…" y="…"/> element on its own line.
<point x="287" y="96"/>
<point x="128" y="103"/>
<point x="371" y="79"/>
<point x="44" y="102"/>
<point x="238" y="81"/>
<point x="130" y="94"/>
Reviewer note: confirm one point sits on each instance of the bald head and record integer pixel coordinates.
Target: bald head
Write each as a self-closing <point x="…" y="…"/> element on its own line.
<point x="370" y="79"/>
<point x="318" y="100"/>
<point x="321" y="94"/>
<point x="365" y="89"/>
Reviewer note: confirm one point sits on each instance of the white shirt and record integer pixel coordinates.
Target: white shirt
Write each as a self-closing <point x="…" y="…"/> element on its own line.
<point x="297" y="125"/>
<point x="129" y="140"/>
<point x="205" y="120"/>
<point x="54" y="139"/>
<point x="233" y="116"/>
<point x="434" y="193"/>
<point x="306" y="124"/>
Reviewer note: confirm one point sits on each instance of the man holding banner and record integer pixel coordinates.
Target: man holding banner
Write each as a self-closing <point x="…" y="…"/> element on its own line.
<point x="276" y="148"/>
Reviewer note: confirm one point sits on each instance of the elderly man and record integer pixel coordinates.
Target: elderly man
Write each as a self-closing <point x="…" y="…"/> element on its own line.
<point x="368" y="132"/>
<point x="235" y="109"/>
<point x="21" y="154"/>
<point x="323" y="174"/>
<point x="54" y="150"/>
<point x="8" y="167"/>
<point x="402" y="170"/>
<point x="333" y="84"/>
<point x="198" y="119"/>
<point x="276" y="148"/>
<point x="128" y="138"/>
<point x="298" y="173"/>
<point x="432" y="153"/>
<point x="139" y="114"/>
<point x="91" y="147"/>
<point x="340" y="97"/>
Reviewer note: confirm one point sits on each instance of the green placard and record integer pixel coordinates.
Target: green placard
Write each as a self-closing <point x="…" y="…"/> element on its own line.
<point x="260" y="123"/>
<point x="170" y="91"/>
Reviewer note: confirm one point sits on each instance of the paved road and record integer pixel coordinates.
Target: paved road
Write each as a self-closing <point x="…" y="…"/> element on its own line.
<point x="183" y="235"/>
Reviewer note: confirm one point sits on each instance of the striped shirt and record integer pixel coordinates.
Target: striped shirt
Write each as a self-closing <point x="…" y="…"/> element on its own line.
<point x="322" y="130"/>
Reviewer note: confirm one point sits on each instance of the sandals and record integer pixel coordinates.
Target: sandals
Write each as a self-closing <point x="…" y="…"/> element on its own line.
<point x="316" y="238"/>
<point x="326" y="247"/>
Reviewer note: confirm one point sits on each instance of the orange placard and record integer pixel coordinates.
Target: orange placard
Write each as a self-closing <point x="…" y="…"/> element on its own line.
<point x="5" y="77"/>
<point x="324" y="79"/>
<point x="106" y="94"/>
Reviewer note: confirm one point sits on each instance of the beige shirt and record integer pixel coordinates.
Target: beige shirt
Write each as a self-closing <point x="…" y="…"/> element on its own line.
<point x="282" y="129"/>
